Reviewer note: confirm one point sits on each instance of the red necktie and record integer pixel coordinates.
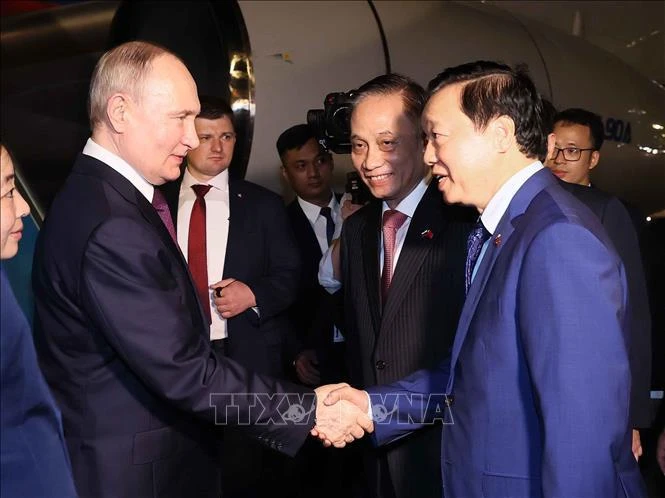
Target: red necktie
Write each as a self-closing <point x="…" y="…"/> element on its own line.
<point x="392" y="221"/>
<point x="196" y="247"/>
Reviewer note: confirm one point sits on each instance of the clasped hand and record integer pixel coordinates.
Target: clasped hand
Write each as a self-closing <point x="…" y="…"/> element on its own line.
<point x="341" y="415"/>
<point x="232" y="297"/>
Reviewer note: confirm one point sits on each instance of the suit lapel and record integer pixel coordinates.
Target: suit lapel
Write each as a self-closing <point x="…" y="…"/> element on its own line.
<point x="304" y="231"/>
<point x="428" y="216"/>
<point x="518" y="205"/>
<point x="238" y="227"/>
<point x="370" y="254"/>
<point x="89" y="166"/>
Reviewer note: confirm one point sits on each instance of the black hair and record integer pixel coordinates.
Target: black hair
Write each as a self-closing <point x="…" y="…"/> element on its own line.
<point x="585" y="118"/>
<point x="294" y="138"/>
<point x="413" y="95"/>
<point x="214" y="108"/>
<point x="492" y="89"/>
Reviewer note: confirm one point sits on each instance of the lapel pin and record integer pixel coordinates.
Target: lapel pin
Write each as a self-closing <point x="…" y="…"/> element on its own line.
<point x="427" y="234"/>
<point x="497" y="240"/>
<point x="240" y="195"/>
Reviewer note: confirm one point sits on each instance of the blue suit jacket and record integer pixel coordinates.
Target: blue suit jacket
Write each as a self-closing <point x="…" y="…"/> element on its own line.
<point x="34" y="460"/>
<point x="538" y="379"/>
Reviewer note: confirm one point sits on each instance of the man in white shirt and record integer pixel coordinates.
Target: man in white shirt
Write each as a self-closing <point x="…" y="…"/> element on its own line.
<point x="316" y="219"/>
<point x="245" y="255"/>
<point x="402" y="287"/>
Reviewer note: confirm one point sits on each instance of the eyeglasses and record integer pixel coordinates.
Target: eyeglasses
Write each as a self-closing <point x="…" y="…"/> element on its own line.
<point x="569" y="153"/>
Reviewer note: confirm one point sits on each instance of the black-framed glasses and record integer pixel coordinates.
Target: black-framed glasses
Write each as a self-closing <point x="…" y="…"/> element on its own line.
<point x="569" y="153"/>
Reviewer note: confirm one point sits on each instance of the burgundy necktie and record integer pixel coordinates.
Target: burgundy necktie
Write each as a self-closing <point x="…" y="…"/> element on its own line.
<point x="392" y="221"/>
<point x="162" y="208"/>
<point x="196" y="247"/>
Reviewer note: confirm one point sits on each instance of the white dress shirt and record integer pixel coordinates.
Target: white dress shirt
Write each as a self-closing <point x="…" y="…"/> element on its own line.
<point x="499" y="203"/>
<point x="318" y="221"/>
<point x="217" y="234"/>
<point x="319" y="225"/>
<point x="407" y="206"/>
<point x="118" y="164"/>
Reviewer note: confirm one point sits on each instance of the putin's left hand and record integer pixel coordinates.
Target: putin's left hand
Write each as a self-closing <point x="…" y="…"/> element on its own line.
<point x="234" y="297"/>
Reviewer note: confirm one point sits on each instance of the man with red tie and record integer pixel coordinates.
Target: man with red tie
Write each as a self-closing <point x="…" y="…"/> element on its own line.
<point x="244" y="262"/>
<point x="400" y="266"/>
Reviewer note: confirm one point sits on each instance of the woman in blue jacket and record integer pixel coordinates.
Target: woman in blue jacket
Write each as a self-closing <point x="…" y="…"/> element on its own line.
<point x="33" y="456"/>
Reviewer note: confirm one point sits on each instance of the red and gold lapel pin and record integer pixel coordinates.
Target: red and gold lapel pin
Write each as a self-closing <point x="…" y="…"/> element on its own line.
<point x="497" y="240"/>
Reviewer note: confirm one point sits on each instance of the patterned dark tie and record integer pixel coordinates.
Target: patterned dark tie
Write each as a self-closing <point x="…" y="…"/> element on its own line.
<point x="326" y="212"/>
<point x="197" y="257"/>
<point x="392" y="221"/>
<point x="162" y="208"/>
<point x="474" y="245"/>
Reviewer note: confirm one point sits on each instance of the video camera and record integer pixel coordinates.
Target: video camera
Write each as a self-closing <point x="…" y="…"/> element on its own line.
<point x="332" y="126"/>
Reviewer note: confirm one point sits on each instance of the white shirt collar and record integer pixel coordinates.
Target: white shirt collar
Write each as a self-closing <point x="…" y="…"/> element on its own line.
<point x="312" y="211"/>
<point x="409" y="204"/>
<point x="219" y="182"/>
<point x="118" y="164"/>
<point x="500" y="201"/>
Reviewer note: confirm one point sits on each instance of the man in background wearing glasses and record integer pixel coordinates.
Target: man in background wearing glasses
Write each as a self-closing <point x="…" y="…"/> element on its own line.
<point x="574" y="150"/>
<point x="579" y="136"/>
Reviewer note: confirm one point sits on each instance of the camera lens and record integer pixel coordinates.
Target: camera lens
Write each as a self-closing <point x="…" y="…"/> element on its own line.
<point x="341" y="122"/>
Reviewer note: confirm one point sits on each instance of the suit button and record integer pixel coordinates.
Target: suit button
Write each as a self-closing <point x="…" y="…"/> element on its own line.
<point x="380" y="365"/>
<point x="450" y="399"/>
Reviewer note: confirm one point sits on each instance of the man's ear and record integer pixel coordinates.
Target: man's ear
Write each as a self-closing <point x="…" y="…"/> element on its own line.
<point x="595" y="157"/>
<point x="283" y="170"/>
<point x="503" y="133"/>
<point x="551" y="142"/>
<point x="117" y="108"/>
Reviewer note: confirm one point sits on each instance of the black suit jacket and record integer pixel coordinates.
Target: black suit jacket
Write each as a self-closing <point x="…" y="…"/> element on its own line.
<point x="314" y="312"/>
<point x="261" y="252"/>
<point x="125" y="348"/>
<point x="621" y="226"/>
<point x="416" y="326"/>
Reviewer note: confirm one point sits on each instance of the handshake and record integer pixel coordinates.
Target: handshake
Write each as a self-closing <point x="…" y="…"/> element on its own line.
<point x="341" y="415"/>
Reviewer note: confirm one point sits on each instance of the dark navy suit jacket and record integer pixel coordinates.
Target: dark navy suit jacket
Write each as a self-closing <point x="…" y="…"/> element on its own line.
<point x="539" y="375"/>
<point x="33" y="459"/>
<point x="125" y="348"/>
<point x="315" y="311"/>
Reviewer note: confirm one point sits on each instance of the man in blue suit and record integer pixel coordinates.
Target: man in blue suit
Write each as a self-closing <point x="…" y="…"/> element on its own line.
<point x="537" y="386"/>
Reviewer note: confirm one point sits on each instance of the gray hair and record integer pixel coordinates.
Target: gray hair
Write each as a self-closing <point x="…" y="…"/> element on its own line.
<point x="121" y="69"/>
